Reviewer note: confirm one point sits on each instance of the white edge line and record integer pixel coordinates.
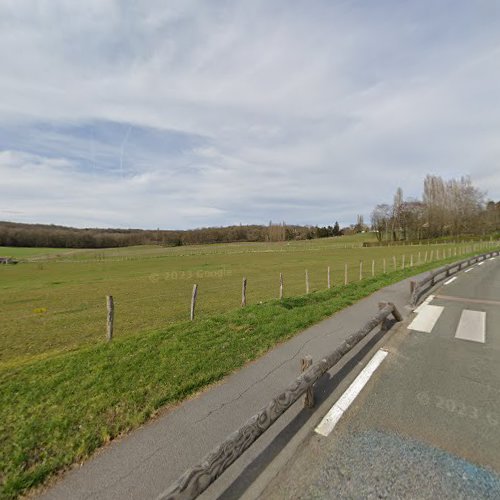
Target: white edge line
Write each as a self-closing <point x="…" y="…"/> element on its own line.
<point x="468" y="270"/>
<point x="480" y="263"/>
<point x="451" y="280"/>
<point x="331" y="419"/>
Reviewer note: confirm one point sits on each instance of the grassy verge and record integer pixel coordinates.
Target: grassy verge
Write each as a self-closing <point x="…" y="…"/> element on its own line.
<point x="54" y="305"/>
<point x="57" y="411"/>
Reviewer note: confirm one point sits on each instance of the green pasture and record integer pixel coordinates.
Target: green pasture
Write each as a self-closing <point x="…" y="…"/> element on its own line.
<point x="22" y="252"/>
<point x="57" y="302"/>
<point x="64" y="392"/>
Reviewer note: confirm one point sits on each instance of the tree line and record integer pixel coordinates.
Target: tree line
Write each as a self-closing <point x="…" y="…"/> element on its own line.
<point x="447" y="208"/>
<point x="15" y="234"/>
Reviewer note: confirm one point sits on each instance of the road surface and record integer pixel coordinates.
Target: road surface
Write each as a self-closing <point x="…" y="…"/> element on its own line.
<point x="427" y="424"/>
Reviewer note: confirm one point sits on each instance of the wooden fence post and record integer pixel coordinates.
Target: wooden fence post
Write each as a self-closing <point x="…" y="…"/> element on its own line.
<point x="281" y="286"/>
<point x="305" y="363"/>
<point x="307" y="281"/>
<point x="411" y="260"/>
<point x="394" y="262"/>
<point x="110" y="318"/>
<point x="328" y="277"/>
<point x="373" y="267"/>
<point x="384" y="266"/>
<point x="403" y="262"/>
<point x="244" y="293"/>
<point x="193" y="300"/>
<point x="360" y="270"/>
<point x="345" y="274"/>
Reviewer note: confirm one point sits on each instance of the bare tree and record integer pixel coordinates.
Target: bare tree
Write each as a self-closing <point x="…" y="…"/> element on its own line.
<point x="396" y="214"/>
<point x="448" y="208"/>
<point x="381" y="219"/>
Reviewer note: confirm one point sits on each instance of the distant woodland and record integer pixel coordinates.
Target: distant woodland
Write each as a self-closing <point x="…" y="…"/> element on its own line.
<point x="447" y="209"/>
<point x="41" y="235"/>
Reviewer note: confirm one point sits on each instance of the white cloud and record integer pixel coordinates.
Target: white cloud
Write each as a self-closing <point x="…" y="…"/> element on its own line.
<point x="307" y="112"/>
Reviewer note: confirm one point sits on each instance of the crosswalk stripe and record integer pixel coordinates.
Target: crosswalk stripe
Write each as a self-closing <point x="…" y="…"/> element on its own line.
<point x="472" y="326"/>
<point x="429" y="299"/>
<point x="426" y="318"/>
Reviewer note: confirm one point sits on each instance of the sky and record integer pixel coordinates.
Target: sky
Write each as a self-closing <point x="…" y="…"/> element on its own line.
<point x="183" y="114"/>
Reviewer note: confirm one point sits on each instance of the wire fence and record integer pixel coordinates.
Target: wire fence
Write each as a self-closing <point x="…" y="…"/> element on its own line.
<point x="53" y="321"/>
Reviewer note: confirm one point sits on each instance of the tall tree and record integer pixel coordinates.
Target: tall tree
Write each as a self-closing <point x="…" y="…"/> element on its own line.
<point x="380" y="220"/>
<point x="396" y="214"/>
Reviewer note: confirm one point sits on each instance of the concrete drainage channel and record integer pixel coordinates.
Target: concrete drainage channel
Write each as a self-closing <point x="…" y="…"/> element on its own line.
<point x="197" y="479"/>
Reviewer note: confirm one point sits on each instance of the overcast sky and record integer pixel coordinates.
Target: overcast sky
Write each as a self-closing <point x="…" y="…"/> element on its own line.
<point x="179" y="114"/>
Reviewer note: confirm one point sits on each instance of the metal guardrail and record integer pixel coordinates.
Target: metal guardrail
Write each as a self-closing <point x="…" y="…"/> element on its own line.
<point x="420" y="287"/>
<point x="196" y="479"/>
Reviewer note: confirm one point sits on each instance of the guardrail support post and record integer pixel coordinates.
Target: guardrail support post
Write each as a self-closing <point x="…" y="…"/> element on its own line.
<point x="385" y="324"/>
<point x="305" y="363"/>
<point x="396" y="313"/>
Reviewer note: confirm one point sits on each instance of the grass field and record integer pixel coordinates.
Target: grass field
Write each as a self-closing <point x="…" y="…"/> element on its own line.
<point x="30" y="252"/>
<point x="58" y="404"/>
<point x="55" y="301"/>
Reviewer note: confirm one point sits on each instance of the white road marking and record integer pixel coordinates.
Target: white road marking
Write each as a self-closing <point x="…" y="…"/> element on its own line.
<point x="472" y="326"/>
<point x="451" y="280"/>
<point x="426" y="318"/>
<point x="491" y="258"/>
<point x="331" y="419"/>
<point x="481" y="263"/>
<point x="469" y="270"/>
<point x="430" y="298"/>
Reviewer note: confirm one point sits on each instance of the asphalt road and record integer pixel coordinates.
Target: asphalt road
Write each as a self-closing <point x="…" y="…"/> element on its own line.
<point x="427" y="424"/>
<point x="143" y="464"/>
